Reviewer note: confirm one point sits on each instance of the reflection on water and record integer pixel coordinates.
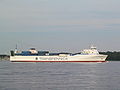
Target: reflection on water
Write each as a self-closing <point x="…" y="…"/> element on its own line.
<point x="59" y="76"/>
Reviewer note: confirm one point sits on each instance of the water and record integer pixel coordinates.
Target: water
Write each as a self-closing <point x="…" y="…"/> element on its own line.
<point x="59" y="76"/>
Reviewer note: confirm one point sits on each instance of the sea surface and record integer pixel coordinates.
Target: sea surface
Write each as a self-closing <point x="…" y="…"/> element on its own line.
<point x="59" y="76"/>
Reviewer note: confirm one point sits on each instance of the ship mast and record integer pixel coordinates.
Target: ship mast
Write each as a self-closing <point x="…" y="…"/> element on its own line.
<point x="16" y="49"/>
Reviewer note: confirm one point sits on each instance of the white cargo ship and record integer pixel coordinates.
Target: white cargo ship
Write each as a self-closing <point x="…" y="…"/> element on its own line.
<point x="32" y="55"/>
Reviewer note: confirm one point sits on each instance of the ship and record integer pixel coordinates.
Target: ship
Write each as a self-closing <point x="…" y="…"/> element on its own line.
<point x="32" y="55"/>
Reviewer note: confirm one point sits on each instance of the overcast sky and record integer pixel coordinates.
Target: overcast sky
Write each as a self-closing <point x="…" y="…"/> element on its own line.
<point x="59" y="25"/>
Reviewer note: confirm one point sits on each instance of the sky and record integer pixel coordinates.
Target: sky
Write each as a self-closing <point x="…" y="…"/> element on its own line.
<point x="59" y="25"/>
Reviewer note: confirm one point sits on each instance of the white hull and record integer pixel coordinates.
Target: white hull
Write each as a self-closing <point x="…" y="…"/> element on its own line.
<point x="75" y="58"/>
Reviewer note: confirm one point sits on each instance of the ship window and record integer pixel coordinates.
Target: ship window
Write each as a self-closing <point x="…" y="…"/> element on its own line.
<point x="36" y="58"/>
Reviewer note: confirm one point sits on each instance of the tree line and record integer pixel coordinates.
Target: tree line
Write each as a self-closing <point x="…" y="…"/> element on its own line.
<point x="112" y="56"/>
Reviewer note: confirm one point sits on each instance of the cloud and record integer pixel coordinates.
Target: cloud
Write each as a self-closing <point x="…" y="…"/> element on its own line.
<point x="38" y="24"/>
<point x="45" y="15"/>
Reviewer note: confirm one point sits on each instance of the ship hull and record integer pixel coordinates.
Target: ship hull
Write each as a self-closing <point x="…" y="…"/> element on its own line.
<point x="75" y="58"/>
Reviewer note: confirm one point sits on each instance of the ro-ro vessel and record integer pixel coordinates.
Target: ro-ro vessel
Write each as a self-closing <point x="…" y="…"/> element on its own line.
<point x="32" y="55"/>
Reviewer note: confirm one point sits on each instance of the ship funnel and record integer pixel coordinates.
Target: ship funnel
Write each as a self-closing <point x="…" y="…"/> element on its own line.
<point x="12" y="53"/>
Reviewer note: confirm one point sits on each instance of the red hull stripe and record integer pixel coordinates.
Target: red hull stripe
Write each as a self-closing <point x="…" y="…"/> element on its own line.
<point x="58" y="61"/>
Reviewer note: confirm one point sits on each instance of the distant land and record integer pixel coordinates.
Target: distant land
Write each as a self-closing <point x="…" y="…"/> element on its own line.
<point x="4" y="57"/>
<point x="112" y="56"/>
